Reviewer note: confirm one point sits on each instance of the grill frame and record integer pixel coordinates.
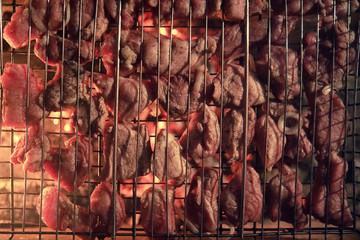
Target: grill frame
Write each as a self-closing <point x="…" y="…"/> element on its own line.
<point x="134" y="230"/>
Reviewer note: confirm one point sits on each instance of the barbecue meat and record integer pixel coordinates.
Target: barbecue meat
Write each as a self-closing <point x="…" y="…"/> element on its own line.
<point x="274" y="141"/>
<point x="334" y="198"/>
<point x="294" y="7"/>
<point x="14" y="86"/>
<point x="204" y="134"/>
<point x="230" y="198"/>
<point x="31" y="156"/>
<point x="50" y="206"/>
<point x="288" y="198"/>
<point x="233" y="88"/>
<point x="126" y="152"/>
<point x="327" y="7"/>
<point x="94" y="115"/>
<point x="233" y="133"/>
<point x="55" y="50"/>
<point x="67" y="160"/>
<point x="52" y="100"/>
<point x="163" y="221"/>
<point x="233" y="43"/>
<point x="178" y="92"/>
<point x="102" y="205"/>
<point x="173" y="166"/>
<point x="209" y="201"/>
<point x="128" y="95"/>
<point x="278" y="71"/>
<point x="128" y="11"/>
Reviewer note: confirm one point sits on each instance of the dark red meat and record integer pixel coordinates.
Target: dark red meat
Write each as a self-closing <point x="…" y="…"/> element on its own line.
<point x="14" y="86"/>
<point x="294" y="7"/>
<point x="209" y="200"/>
<point x="67" y="158"/>
<point x="288" y="199"/>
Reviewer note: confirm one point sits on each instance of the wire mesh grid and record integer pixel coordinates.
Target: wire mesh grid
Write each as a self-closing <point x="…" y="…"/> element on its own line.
<point x="19" y="190"/>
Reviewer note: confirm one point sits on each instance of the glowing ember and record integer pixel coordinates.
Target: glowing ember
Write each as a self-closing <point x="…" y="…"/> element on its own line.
<point x="249" y="157"/>
<point x="56" y="121"/>
<point x="144" y="183"/>
<point x="163" y="31"/>
<point x="67" y="127"/>
<point x="175" y="32"/>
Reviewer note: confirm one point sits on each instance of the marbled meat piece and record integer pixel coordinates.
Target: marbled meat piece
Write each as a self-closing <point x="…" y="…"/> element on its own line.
<point x="209" y="200"/>
<point x="294" y="7"/>
<point x="204" y="134"/>
<point x="230" y="198"/>
<point x="173" y="167"/>
<point x="336" y="204"/>
<point x="178" y="92"/>
<point x="126" y="152"/>
<point x="55" y="50"/>
<point x="273" y="142"/>
<point x="94" y="115"/>
<point x="52" y="100"/>
<point x="233" y="133"/>
<point x="327" y="7"/>
<point x="129" y="101"/>
<point x="288" y="198"/>
<point x="67" y="158"/>
<point x="233" y="88"/>
<point x="163" y="221"/>
<point x="14" y="82"/>
<point x="233" y="46"/>
<point x="101" y="205"/>
<point x="32" y="155"/>
<point x="50" y="206"/>
<point x="278" y="71"/>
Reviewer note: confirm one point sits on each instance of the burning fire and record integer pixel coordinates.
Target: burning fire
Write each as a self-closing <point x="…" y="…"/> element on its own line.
<point x="144" y="183"/>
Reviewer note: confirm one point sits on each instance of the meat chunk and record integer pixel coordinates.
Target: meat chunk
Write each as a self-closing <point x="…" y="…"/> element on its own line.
<point x="173" y="166"/>
<point x="336" y="204"/>
<point x="327" y="7"/>
<point x="234" y="9"/>
<point x="273" y="143"/>
<point x="126" y="152"/>
<point x="71" y="48"/>
<point x="31" y="156"/>
<point x="129" y="101"/>
<point x="288" y="198"/>
<point x="233" y="133"/>
<point x="233" y="46"/>
<point x="230" y="198"/>
<point x="233" y="88"/>
<point x="294" y="7"/>
<point x="163" y="221"/>
<point x="278" y="71"/>
<point x="94" y="115"/>
<point x="102" y="205"/>
<point x="204" y="134"/>
<point x="52" y="100"/>
<point x="209" y="201"/>
<point x="67" y="160"/>
<point x="50" y="206"/>
<point x="14" y="85"/>
<point x="178" y="92"/>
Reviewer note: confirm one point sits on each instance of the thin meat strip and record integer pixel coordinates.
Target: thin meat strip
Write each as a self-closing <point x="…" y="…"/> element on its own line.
<point x="336" y="204"/>
<point x="288" y="198"/>
<point x="209" y="200"/>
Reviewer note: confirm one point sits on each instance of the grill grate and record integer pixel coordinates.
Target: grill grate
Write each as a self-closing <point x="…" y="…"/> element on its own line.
<point x="19" y="189"/>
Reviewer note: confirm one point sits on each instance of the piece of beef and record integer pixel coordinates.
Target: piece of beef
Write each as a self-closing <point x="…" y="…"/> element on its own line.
<point x="278" y="71"/>
<point x="234" y="9"/>
<point x="14" y="86"/>
<point x="292" y="115"/>
<point x="129" y="101"/>
<point x="233" y="88"/>
<point x="52" y="100"/>
<point x="288" y="198"/>
<point x="163" y="221"/>
<point x="178" y="92"/>
<point x="55" y="50"/>
<point x="209" y="201"/>
<point x="126" y="151"/>
<point x="102" y="206"/>
<point x="95" y="115"/>
<point x="294" y="7"/>
<point x="204" y="134"/>
<point x="327" y="7"/>
<point x="31" y="156"/>
<point x="273" y="141"/>
<point x="51" y="206"/>
<point x="175" y="170"/>
<point x="334" y="198"/>
<point x="230" y="198"/>
<point x="233" y="43"/>
<point x="233" y="133"/>
<point x="67" y="160"/>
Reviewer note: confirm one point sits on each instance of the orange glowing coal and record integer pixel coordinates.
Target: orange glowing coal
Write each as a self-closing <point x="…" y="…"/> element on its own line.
<point x="144" y="183"/>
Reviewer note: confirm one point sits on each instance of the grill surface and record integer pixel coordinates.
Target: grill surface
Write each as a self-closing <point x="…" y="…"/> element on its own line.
<point x="19" y="190"/>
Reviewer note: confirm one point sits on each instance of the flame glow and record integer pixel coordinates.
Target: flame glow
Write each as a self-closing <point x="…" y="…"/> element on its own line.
<point x="67" y="127"/>
<point x="175" y="32"/>
<point x="144" y="183"/>
<point x="163" y="31"/>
